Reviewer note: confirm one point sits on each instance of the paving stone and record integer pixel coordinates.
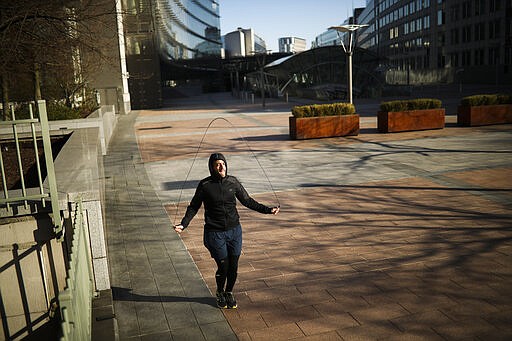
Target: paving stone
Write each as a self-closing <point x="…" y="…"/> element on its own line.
<point x="466" y="329"/>
<point x="277" y="317"/>
<point x="407" y="234"/>
<point x="326" y="324"/>
<point x="279" y="332"/>
<point x="306" y="299"/>
<point x="329" y="336"/>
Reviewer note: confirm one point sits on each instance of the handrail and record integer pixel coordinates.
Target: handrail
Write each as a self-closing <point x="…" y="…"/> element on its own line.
<point x="76" y="299"/>
<point x="50" y="171"/>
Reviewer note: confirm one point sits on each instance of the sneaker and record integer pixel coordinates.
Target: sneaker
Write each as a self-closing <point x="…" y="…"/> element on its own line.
<point x="230" y="300"/>
<point x="221" y="300"/>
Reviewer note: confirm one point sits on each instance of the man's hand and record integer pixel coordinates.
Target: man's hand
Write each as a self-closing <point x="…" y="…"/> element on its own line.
<point x="178" y="228"/>
<point x="275" y="210"/>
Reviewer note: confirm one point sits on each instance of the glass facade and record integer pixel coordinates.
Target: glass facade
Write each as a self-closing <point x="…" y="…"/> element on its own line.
<point x="440" y="41"/>
<point x="187" y="29"/>
<point x="169" y="42"/>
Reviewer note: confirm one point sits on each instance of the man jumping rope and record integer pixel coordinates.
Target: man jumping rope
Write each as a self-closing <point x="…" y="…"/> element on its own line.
<point x="222" y="229"/>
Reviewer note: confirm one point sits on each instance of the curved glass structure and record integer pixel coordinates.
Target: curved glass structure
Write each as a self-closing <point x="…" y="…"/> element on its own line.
<point x="170" y="42"/>
<point x="321" y="73"/>
<point x="187" y="29"/>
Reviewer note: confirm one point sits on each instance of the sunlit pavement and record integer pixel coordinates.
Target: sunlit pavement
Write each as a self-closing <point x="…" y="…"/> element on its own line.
<point x="380" y="236"/>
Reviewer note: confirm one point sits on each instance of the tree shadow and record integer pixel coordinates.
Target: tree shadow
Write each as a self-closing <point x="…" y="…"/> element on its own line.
<point x="126" y="294"/>
<point x="258" y="138"/>
<point x="178" y="185"/>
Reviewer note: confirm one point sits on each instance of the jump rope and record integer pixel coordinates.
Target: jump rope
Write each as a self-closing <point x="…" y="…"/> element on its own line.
<point x="197" y="152"/>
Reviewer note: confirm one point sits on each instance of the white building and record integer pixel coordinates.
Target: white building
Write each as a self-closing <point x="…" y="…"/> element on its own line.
<point x="292" y="44"/>
<point x="243" y="42"/>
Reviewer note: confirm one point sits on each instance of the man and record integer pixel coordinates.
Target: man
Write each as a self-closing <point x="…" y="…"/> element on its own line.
<point x="222" y="229"/>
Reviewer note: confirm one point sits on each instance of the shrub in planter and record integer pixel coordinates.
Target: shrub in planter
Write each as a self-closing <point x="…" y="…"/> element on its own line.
<point x="408" y="115"/>
<point x="318" y="110"/>
<point x="323" y="120"/>
<point x="485" y="110"/>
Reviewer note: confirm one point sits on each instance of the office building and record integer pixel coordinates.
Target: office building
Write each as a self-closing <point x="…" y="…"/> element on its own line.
<point x="441" y="41"/>
<point x="243" y="42"/>
<point x="291" y="44"/>
<point x="436" y="41"/>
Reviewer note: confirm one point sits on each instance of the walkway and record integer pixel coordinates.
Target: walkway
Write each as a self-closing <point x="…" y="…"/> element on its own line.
<point x="381" y="236"/>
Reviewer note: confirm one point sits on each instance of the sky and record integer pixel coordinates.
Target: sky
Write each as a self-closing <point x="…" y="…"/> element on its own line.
<point x="272" y="19"/>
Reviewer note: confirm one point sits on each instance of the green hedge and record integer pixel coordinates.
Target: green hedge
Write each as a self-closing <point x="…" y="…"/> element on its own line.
<point x="57" y="111"/>
<point x="317" y="110"/>
<point x="478" y="100"/>
<point x="412" y="104"/>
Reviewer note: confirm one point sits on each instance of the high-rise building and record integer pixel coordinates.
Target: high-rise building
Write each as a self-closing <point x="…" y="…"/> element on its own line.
<point x="292" y="44"/>
<point x="468" y="40"/>
<point x="243" y="42"/>
<point x="169" y="42"/>
<point x="432" y="41"/>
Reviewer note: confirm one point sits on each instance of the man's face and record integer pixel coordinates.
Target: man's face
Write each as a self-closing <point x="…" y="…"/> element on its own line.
<point x="220" y="168"/>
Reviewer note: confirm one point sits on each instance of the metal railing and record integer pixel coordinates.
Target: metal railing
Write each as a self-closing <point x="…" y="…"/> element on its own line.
<point x="25" y="197"/>
<point x="76" y="299"/>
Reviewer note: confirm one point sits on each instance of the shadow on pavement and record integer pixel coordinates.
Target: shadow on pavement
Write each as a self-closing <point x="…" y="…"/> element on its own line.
<point x="125" y="294"/>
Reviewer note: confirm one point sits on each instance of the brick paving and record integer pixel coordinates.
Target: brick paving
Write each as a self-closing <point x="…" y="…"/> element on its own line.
<point x="402" y="236"/>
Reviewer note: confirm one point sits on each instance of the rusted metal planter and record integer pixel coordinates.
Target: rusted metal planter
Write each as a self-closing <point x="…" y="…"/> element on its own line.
<point x="469" y="116"/>
<point x="325" y="126"/>
<point x="397" y="121"/>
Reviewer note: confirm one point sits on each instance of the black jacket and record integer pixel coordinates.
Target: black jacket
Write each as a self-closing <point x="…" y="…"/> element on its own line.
<point x="219" y="197"/>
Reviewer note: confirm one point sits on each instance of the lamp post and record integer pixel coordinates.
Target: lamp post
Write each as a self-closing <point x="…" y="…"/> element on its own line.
<point x="349" y="50"/>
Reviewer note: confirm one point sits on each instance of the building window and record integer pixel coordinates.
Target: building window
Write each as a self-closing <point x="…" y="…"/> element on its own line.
<point x="441" y="60"/>
<point x="440" y="39"/>
<point x="466" y="9"/>
<point x="426" y="22"/>
<point x="466" y="34"/>
<point x="479" y="7"/>
<point x="454" y="13"/>
<point x="494" y="5"/>
<point x="454" y="35"/>
<point x="466" y="58"/>
<point x="494" y="29"/>
<point x="479" y="57"/>
<point x="454" y="59"/>
<point x="418" y="24"/>
<point x="494" y="56"/>
<point x="480" y="31"/>
<point x="440" y="17"/>
<point x="508" y="55"/>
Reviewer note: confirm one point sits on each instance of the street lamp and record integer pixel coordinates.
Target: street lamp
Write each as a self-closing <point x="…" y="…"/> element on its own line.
<point x="349" y="49"/>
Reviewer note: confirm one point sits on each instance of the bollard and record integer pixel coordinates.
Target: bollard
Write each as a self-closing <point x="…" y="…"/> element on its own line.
<point x="252" y="98"/>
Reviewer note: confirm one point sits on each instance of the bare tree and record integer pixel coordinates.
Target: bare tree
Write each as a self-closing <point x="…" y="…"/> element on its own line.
<point x="48" y="39"/>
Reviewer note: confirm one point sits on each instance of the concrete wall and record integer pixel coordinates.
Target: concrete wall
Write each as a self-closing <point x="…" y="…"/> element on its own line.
<point x="32" y="261"/>
<point x="79" y="173"/>
<point x="32" y="271"/>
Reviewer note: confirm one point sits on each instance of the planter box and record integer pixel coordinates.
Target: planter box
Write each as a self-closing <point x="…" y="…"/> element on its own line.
<point x="396" y="121"/>
<point x="325" y="126"/>
<point x="484" y="115"/>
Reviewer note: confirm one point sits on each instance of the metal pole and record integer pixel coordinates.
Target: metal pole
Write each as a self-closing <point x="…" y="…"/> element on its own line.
<point x="350" y="77"/>
<point x="262" y="88"/>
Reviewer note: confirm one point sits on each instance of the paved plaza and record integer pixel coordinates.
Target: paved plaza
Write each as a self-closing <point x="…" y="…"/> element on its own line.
<point x="404" y="236"/>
